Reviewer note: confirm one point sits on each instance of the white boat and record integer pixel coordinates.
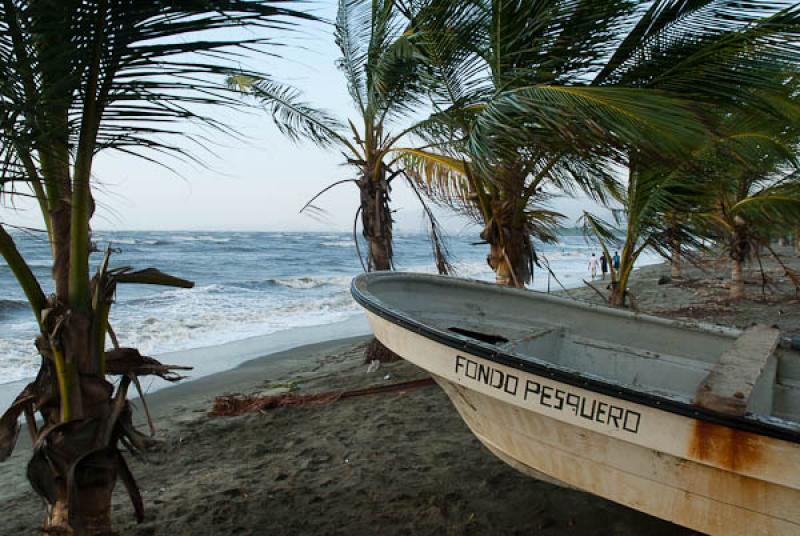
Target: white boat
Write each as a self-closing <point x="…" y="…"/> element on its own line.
<point x="692" y="423"/>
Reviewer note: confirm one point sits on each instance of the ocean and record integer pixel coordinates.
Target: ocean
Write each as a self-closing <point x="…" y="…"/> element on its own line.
<point x="246" y="284"/>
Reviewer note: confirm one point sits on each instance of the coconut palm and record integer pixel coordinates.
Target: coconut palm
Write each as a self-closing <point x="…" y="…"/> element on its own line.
<point x="753" y="187"/>
<point x="737" y="188"/>
<point x="491" y="60"/>
<point x="78" y="77"/>
<point x="543" y="97"/>
<point x="750" y="53"/>
<point x="797" y="242"/>
<point x="647" y="218"/>
<point x="382" y="73"/>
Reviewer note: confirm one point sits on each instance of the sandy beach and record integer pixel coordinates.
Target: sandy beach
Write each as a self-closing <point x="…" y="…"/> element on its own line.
<point x="392" y="463"/>
<point x="702" y="293"/>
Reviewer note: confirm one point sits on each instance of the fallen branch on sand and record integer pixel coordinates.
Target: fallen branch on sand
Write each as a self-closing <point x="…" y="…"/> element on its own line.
<point x="233" y="405"/>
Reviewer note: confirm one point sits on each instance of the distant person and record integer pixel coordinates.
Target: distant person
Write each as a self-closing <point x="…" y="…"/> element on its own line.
<point x="593" y="266"/>
<point x="615" y="260"/>
<point x="603" y="265"/>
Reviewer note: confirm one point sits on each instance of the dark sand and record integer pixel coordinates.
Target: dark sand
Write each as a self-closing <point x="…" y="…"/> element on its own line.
<point x="397" y="463"/>
<point x="702" y="293"/>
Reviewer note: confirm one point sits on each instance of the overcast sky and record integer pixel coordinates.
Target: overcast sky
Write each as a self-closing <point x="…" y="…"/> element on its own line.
<point x="259" y="183"/>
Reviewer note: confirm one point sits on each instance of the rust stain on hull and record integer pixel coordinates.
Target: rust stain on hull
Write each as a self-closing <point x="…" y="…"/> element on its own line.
<point x="725" y="447"/>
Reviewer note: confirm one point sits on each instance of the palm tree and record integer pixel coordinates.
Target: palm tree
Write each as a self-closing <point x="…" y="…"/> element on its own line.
<point x="737" y="188"/>
<point x="518" y="121"/>
<point x="382" y="72"/>
<point x="647" y="218"/>
<point x="726" y="56"/>
<point x="754" y="188"/>
<point x="542" y="97"/>
<point x="797" y="242"/>
<point x="79" y="77"/>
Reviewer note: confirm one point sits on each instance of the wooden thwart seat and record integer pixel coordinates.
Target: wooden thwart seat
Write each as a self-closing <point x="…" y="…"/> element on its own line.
<point x="729" y="386"/>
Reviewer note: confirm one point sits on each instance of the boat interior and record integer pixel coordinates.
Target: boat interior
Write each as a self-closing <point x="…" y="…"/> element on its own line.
<point x="672" y="359"/>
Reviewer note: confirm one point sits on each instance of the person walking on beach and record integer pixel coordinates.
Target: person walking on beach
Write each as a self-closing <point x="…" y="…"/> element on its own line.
<point x="603" y="265"/>
<point x="615" y="271"/>
<point x="593" y="266"/>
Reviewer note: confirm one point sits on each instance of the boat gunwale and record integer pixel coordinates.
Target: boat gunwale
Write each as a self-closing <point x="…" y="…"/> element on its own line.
<point x="545" y="369"/>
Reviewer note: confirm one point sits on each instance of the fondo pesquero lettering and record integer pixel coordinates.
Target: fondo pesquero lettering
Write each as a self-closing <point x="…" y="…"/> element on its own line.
<point x="547" y="396"/>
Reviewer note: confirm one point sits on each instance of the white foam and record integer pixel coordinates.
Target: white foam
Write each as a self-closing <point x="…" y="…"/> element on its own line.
<point x="199" y="238"/>
<point x="312" y="282"/>
<point x="339" y="244"/>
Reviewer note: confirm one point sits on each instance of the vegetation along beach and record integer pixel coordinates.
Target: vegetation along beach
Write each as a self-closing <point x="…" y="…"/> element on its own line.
<point x="196" y="361"/>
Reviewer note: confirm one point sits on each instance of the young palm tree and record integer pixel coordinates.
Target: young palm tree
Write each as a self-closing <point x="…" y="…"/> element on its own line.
<point x="797" y="242"/>
<point x="537" y="97"/>
<point x="78" y="77"/>
<point x="646" y="217"/>
<point x="752" y="198"/>
<point x="736" y="188"/>
<point x="727" y="57"/>
<point x="382" y="73"/>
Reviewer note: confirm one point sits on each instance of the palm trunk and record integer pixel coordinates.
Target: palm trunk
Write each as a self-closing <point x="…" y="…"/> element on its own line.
<point x="737" y="282"/>
<point x="509" y="254"/>
<point x="90" y="513"/>
<point x="797" y="242"/>
<point x="618" y="289"/>
<point x="675" y="260"/>
<point x="627" y="260"/>
<point x="80" y="447"/>
<point x="739" y="252"/>
<point x="376" y="219"/>
<point x="58" y="515"/>
<point x="503" y="271"/>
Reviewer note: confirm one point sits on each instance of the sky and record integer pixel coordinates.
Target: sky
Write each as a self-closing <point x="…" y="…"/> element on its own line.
<point x="260" y="180"/>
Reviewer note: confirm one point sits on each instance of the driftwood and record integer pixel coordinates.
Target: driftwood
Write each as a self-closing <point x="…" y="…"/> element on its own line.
<point x="233" y="405"/>
<point x="128" y="361"/>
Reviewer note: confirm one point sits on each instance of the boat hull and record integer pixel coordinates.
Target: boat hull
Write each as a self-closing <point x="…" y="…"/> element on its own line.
<point x="705" y="476"/>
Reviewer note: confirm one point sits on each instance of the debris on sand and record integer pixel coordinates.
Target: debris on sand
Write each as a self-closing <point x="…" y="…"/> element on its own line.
<point x="233" y="405"/>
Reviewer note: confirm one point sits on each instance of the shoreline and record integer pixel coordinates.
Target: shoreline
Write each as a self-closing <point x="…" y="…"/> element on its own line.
<point x="206" y="362"/>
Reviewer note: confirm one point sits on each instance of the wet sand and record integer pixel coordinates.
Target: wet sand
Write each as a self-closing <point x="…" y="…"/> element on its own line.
<point x="393" y="463"/>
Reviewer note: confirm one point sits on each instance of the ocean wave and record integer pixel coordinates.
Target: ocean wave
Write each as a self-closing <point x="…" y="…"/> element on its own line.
<point x="338" y="244"/>
<point x="20" y="360"/>
<point x="200" y="238"/>
<point x="194" y="323"/>
<point x="299" y="282"/>
<point x="310" y="282"/>
<point x="113" y="241"/>
<point x="9" y="307"/>
<point x="40" y="263"/>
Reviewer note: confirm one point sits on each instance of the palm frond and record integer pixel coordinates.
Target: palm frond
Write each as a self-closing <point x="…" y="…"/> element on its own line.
<point x="440" y="177"/>
<point x="715" y="50"/>
<point x="351" y="33"/>
<point x="295" y="118"/>
<point x="596" y="227"/>
<point x="589" y="119"/>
